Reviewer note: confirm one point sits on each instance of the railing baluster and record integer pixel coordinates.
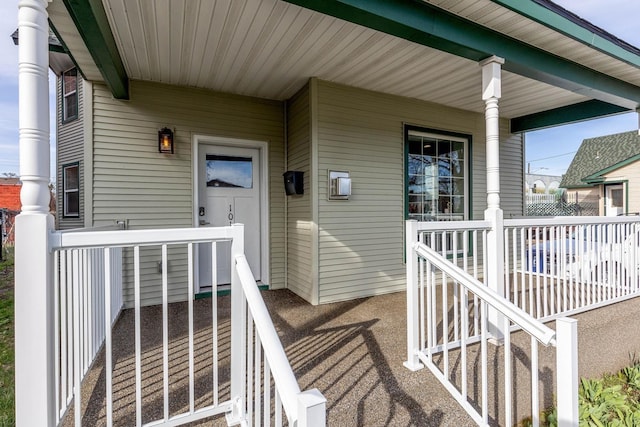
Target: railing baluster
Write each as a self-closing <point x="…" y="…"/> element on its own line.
<point x="454" y="259"/>
<point x="483" y="361"/>
<point x="250" y="371"/>
<point x="535" y="403"/>
<point x="138" y="345"/>
<point x="523" y="243"/>
<point x="77" y="392"/>
<point x="464" y="304"/>
<point x="257" y="385"/>
<point x="267" y="393"/>
<point x="165" y="335"/>
<point x="214" y="320"/>
<point x="508" y="383"/>
<point x="57" y="309"/>
<point x="190" y="286"/>
<point x="278" y="410"/>
<point x="108" y="343"/>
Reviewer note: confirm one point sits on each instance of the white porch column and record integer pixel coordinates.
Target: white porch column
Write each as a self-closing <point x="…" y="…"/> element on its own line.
<point x="34" y="306"/>
<point x="491" y="93"/>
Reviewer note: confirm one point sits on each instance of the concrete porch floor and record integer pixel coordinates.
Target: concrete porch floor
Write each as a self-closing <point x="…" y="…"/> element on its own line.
<point x="351" y="351"/>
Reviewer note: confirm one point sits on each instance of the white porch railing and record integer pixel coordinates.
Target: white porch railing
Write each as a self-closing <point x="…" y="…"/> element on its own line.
<point x="561" y="265"/>
<point x="253" y="362"/>
<point x="452" y="316"/>
<point x="80" y="318"/>
<point x="265" y="360"/>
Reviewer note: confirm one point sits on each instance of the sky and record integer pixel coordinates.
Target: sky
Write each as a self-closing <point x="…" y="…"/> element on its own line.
<point x="548" y="151"/>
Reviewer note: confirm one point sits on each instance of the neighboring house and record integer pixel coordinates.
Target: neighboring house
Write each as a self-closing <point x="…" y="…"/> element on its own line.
<point x="400" y="112"/>
<point x="10" y="206"/>
<point x="10" y="193"/>
<point x="607" y="169"/>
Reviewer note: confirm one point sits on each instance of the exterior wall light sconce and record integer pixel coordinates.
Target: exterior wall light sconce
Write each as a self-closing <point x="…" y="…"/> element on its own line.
<point x="339" y="185"/>
<point x="165" y="141"/>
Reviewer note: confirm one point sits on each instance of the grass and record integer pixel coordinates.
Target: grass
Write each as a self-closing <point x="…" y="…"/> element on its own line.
<point x="7" y="411"/>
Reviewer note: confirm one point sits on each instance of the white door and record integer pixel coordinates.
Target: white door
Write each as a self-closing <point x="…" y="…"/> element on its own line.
<point x="228" y="193"/>
<point x="614" y="200"/>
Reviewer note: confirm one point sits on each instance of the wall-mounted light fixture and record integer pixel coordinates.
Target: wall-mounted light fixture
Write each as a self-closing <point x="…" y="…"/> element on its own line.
<point x="165" y="141"/>
<point x="339" y="185"/>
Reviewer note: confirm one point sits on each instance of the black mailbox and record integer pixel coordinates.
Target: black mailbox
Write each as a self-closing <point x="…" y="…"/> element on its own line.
<point x="293" y="182"/>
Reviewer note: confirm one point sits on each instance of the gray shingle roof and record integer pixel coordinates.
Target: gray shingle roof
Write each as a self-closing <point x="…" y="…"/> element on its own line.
<point x="599" y="154"/>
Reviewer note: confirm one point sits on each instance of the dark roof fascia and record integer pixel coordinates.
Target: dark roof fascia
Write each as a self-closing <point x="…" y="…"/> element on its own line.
<point x="598" y="175"/>
<point x="91" y="21"/>
<point x="559" y="19"/>
<point x="431" y="26"/>
<point x="563" y="115"/>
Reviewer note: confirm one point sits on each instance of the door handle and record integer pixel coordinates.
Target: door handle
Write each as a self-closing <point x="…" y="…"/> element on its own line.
<point x="203" y="222"/>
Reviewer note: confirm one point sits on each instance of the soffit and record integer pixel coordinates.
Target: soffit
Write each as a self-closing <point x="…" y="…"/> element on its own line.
<point x="512" y="24"/>
<point x="269" y="49"/>
<point x="67" y="32"/>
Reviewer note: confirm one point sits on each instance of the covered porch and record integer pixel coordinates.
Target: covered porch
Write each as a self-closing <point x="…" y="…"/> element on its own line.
<point x="315" y="87"/>
<point x="351" y="351"/>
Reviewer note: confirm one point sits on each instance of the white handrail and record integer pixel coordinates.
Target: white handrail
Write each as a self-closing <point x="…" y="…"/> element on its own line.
<point x="88" y="239"/>
<point x="453" y="225"/>
<point x="568" y="220"/>
<point x="538" y="330"/>
<point x="283" y="375"/>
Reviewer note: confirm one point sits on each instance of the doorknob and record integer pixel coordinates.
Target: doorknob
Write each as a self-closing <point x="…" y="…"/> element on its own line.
<point x="203" y="222"/>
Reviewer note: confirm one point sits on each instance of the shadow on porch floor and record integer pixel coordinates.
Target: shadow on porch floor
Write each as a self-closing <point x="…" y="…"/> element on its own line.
<point x="351" y="351"/>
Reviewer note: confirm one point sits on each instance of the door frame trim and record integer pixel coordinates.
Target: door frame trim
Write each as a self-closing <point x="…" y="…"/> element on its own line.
<point x="263" y="149"/>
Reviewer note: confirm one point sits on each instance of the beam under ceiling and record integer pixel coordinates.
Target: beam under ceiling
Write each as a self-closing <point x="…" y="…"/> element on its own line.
<point x="91" y="20"/>
<point x="430" y="26"/>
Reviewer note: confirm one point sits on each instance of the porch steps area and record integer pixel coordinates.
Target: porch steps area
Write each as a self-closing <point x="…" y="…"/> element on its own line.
<point x="351" y="351"/>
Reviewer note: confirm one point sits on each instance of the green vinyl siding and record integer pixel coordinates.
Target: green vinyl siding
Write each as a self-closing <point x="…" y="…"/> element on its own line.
<point x="360" y="240"/>
<point x="299" y="216"/>
<point x="69" y="150"/>
<point x="133" y="181"/>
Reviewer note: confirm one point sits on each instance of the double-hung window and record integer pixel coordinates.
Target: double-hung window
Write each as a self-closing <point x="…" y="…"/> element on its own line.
<point x="437" y="175"/>
<point x="71" y="190"/>
<point x="70" y="95"/>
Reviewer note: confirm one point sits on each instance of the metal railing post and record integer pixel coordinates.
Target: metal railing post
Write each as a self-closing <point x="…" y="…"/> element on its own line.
<point x="238" y="331"/>
<point x="413" y="313"/>
<point x="312" y="409"/>
<point x="567" y="371"/>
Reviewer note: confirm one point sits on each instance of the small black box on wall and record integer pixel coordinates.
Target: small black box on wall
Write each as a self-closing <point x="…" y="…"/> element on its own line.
<point x="293" y="182"/>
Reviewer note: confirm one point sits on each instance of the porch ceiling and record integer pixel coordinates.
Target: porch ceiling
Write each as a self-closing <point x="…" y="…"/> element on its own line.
<point x="269" y="48"/>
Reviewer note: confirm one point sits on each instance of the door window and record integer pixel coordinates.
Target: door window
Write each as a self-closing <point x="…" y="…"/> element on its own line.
<point x="229" y="171"/>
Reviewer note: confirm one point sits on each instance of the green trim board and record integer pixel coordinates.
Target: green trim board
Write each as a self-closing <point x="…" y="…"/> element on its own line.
<point x="224" y="292"/>
<point x="563" y="115"/>
<point x="563" y="21"/>
<point x="431" y="26"/>
<point x="596" y="178"/>
<point x="91" y="21"/>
